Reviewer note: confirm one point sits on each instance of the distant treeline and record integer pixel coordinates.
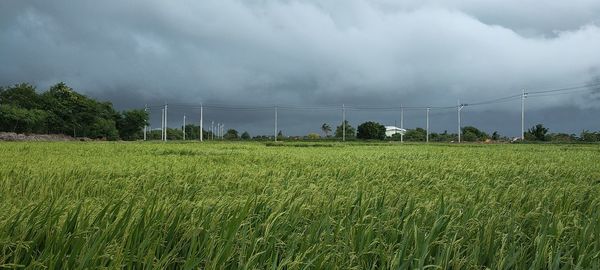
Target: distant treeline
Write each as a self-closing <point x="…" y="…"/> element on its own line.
<point x="61" y="110"/>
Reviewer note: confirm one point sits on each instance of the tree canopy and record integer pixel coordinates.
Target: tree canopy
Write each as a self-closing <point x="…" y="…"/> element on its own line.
<point x="61" y="110"/>
<point x="371" y="131"/>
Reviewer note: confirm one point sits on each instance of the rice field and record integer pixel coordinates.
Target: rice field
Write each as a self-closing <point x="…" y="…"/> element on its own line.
<point x="80" y="205"/>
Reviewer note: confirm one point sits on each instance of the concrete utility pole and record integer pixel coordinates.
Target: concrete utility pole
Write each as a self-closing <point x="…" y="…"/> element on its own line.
<point x="166" y="121"/>
<point x="201" y="120"/>
<point x="343" y="122"/>
<point x="523" y="96"/>
<point x="401" y="122"/>
<point x="146" y="125"/>
<point x="162" y="124"/>
<point x="458" y="109"/>
<point x="275" y="123"/>
<point x="427" y="138"/>
<point x="184" y="127"/>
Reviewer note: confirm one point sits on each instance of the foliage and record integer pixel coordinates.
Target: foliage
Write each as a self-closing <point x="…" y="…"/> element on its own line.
<point x="245" y="136"/>
<point x="247" y="206"/>
<point x="588" y="136"/>
<point x="231" y="134"/>
<point x="350" y="131"/>
<point x="415" y="135"/>
<point x="62" y="110"/>
<point x="536" y="133"/>
<point x="131" y="124"/>
<point x="326" y="129"/>
<point x="473" y="134"/>
<point x="313" y="136"/>
<point x="371" y="131"/>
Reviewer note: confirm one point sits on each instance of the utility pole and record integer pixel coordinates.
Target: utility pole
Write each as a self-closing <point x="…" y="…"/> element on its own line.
<point x="201" y="120"/>
<point x="162" y="124"/>
<point x="343" y="122"/>
<point x="184" y="127"/>
<point x="275" y="123"/>
<point x="212" y="130"/>
<point x="401" y="122"/>
<point x="522" y="114"/>
<point x="146" y="125"/>
<point x="166" y="121"/>
<point x="427" y="138"/>
<point x="458" y="109"/>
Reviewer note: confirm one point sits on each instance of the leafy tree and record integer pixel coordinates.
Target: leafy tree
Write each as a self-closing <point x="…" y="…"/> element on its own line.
<point x="174" y="134"/>
<point x="326" y="129"/>
<point x="588" y="136"/>
<point x="131" y="124"/>
<point x="371" y="130"/>
<point x="245" y="136"/>
<point x="313" y="136"/>
<point x="536" y="133"/>
<point x="561" y="137"/>
<point x="279" y="135"/>
<point x="472" y="134"/>
<point x="415" y="135"/>
<point x="350" y="131"/>
<point x="20" y="120"/>
<point x="495" y="136"/>
<point x="21" y="95"/>
<point x="231" y="134"/>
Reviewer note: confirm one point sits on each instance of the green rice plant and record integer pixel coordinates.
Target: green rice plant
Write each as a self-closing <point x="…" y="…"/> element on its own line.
<point x="112" y="205"/>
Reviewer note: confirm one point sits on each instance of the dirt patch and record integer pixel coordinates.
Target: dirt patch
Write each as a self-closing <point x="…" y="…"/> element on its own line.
<point x="10" y="136"/>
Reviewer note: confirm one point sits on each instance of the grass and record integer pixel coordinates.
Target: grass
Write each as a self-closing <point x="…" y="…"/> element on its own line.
<point x="251" y="206"/>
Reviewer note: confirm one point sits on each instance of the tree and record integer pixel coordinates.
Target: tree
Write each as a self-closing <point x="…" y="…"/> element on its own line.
<point x="313" y="136"/>
<point x="350" y="131"/>
<point x="415" y="135"/>
<point x="536" y="133"/>
<point x="495" y="136"/>
<point x="131" y="123"/>
<point x="371" y="131"/>
<point x="21" y="95"/>
<point x="231" y="134"/>
<point x="245" y="136"/>
<point x="280" y="135"/>
<point x="326" y="129"/>
<point x="588" y="136"/>
<point x="472" y="134"/>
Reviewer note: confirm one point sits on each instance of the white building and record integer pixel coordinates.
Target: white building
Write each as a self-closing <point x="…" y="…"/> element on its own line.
<point x="391" y="130"/>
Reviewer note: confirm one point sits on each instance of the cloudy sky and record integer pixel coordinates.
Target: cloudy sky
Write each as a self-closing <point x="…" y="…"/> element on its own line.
<point x="315" y="53"/>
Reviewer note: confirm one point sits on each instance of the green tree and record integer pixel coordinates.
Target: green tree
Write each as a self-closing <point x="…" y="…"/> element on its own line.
<point x="131" y="124"/>
<point x="588" y="136"/>
<point x="313" y="136"/>
<point x="279" y="135"/>
<point x="21" y="95"/>
<point x="536" y="133"/>
<point x="472" y="134"/>
<point x="231" y="134"/>
<point x="350" y="131"/>
<point x="415" y="135"/>
<point x="495" y="136"/>
<point x="371" y="131"/>
<point x="245" y="135"/>
<point x="326" y="129"/>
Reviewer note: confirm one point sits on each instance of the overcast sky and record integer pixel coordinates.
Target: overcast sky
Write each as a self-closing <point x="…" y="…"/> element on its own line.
<point x="314" y="53"/>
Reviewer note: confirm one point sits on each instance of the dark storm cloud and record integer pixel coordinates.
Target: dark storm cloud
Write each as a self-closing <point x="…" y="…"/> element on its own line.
<point x="358" y="52"/>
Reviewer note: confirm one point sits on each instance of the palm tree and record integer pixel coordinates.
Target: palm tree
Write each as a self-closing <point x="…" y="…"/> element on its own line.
<point x="326" y="129"/>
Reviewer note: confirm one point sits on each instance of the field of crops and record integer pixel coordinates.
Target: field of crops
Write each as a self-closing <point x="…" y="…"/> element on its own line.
<point x="253" y="206"/>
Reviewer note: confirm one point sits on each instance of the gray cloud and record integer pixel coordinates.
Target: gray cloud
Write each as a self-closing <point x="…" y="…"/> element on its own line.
<point x="363" y="52"/>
